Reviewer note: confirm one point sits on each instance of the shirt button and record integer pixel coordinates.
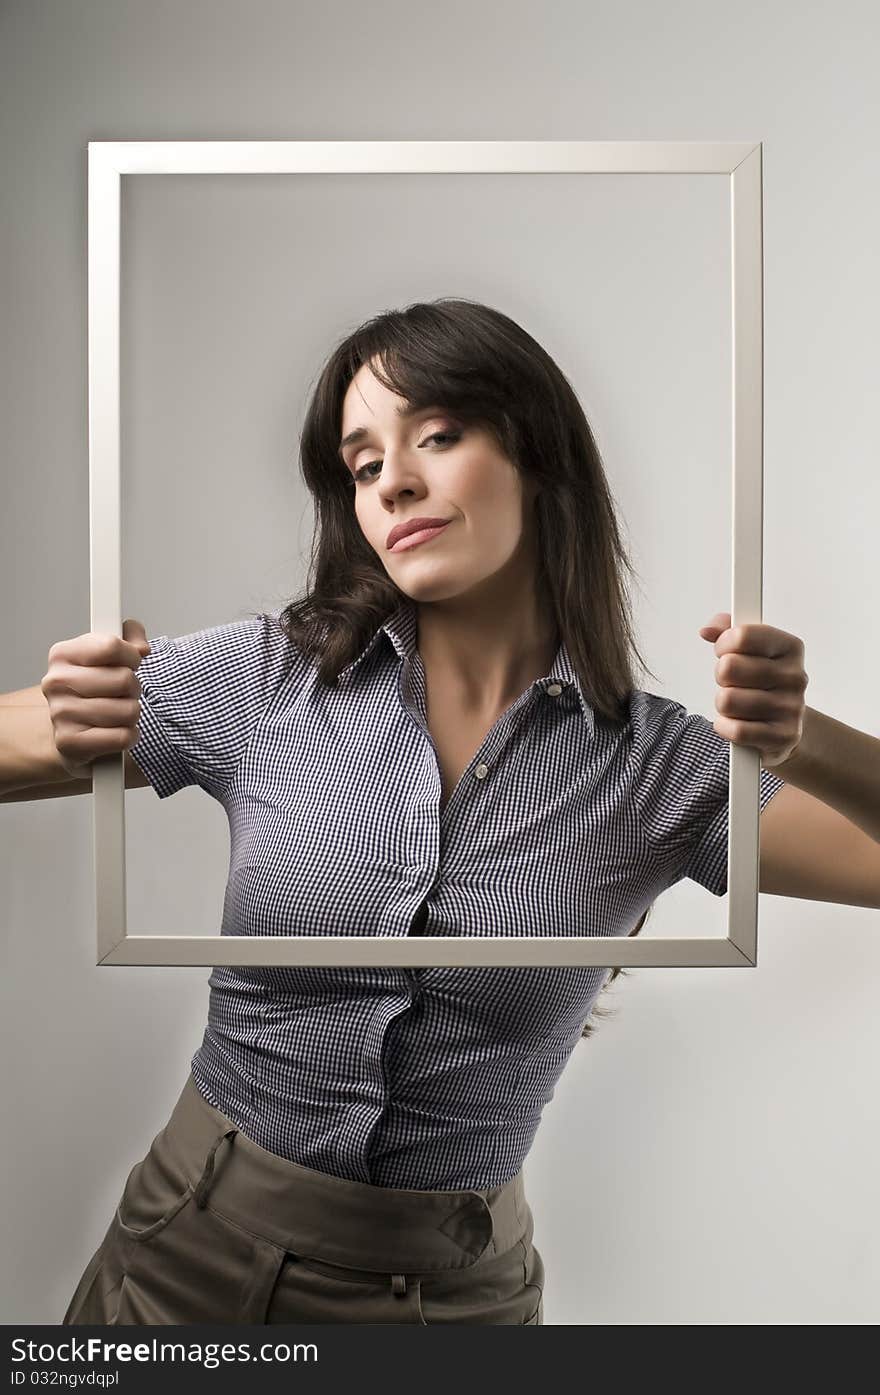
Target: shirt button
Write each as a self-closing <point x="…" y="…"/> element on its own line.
<point x="554" y="690"/>
<point x="481" y="771"/>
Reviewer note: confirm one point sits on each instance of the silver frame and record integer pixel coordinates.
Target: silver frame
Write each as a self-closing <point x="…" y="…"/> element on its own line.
<point x="107" y="162"/>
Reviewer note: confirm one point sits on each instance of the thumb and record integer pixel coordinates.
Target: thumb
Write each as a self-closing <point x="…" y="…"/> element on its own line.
<point x="134" y="633"/>
<point x="717" y="625"/>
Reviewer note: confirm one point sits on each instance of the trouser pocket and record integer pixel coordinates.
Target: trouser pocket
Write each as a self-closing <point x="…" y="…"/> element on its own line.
<point x="154" y="1192"/>
<point x="198" y="1267"/>
<point x="169" y="1258"/>
<point x="184" y="1262"/>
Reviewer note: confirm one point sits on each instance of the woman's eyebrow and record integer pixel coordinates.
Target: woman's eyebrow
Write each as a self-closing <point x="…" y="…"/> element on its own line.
<point x="403" y="412"/>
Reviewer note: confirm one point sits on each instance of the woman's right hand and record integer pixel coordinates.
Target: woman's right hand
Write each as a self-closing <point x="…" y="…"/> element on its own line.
<point x="94" y="695"/>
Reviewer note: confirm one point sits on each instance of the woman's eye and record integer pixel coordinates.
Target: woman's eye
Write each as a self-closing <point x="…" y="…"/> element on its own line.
<point x="437" y="436"/>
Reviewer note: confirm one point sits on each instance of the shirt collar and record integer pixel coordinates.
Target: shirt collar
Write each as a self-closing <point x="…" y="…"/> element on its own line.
<point x="401" y="629"/>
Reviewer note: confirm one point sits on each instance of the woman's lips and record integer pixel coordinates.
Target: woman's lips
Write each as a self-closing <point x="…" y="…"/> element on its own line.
<point x="413" y="539"/>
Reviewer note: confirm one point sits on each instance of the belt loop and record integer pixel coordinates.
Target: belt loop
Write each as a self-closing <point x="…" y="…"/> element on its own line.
<point x="204" y="1182"/>
<point x="398" y="1283"/>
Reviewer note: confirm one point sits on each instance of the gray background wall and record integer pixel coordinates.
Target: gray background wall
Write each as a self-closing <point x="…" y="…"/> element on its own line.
<point x="710" y="1155"/>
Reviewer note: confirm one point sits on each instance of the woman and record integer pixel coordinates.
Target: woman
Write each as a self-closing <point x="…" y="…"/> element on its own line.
<point x="444" y="737"/>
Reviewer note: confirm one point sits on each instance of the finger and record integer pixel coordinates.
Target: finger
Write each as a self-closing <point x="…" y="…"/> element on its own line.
<point x="756" y="706"/>
<point x="134" y="632"/>
<point x="100" y="712"/>
<point x="92" y="680"/>
<point x="758" y="639"/>
<point x="746" y="671"/>
<point x="720" y="620"/>
<point x="97" y="650"/>
<point x="718" y="624"/>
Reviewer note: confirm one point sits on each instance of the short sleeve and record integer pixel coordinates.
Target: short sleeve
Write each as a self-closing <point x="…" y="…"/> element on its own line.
<point x="202" y="695"/>
<point x="682" y="790"/>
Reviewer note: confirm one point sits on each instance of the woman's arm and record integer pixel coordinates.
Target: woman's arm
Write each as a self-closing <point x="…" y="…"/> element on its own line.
<point x="28" y="755"/>
<point x="820" y="834"/>
<point x="839" y="765"/>
<point x="30" y="766"/>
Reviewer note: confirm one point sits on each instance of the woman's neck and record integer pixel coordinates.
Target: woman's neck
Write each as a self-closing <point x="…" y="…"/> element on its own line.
<point x="483" y="656"/>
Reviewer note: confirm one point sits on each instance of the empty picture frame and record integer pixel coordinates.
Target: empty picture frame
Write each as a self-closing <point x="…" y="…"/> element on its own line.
<point x="107" y="162"/>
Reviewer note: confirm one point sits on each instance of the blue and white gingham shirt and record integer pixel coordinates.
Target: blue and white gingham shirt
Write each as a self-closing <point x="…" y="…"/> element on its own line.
<point x="423" y="1078"/>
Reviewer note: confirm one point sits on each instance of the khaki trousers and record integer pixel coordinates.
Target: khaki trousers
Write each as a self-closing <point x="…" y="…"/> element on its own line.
<point x="212" y="1228"/>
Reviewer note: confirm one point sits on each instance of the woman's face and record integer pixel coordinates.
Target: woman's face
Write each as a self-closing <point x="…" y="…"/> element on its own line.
<point x="432" y="465"/>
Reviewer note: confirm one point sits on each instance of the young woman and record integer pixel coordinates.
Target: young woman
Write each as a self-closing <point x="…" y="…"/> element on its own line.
<point x="444" y="736"/>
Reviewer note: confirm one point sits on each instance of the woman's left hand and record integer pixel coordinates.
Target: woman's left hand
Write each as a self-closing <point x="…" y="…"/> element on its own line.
<point x="761" y="684"/>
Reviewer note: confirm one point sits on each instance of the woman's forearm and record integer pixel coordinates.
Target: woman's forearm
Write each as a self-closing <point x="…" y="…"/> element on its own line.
<point x="28" y="755"/>
<point x="839" y="765"/>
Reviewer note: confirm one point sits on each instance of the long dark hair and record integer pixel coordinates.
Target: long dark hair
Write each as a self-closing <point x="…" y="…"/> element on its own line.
<point x="490" y="372"/>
